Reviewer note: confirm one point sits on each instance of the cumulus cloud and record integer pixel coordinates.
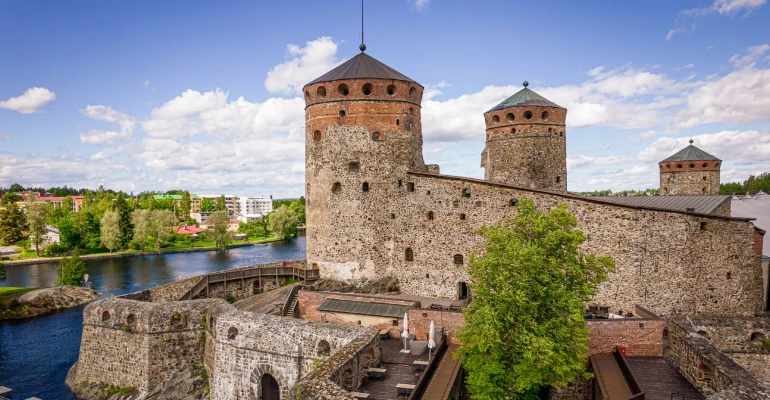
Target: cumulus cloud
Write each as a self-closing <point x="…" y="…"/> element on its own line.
<point x="754" y="53"/>
<point x="107" y="114"/>
<point x="303" y="65"/>
<point x="30" y="101"/>
<point x="689" y="20"/>
<point x="420" y="5"/>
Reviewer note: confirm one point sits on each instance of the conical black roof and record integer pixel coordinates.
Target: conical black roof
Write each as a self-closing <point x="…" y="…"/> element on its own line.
<point x="525" y="97"/>
<point x="362" y="66"/>
<point x="691" y="153"/>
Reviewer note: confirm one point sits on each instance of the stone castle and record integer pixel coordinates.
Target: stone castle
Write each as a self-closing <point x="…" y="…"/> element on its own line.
<point x="375" y="208"/>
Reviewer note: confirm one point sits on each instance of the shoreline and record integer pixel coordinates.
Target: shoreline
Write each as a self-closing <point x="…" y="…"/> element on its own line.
<point x="101" y="256"/>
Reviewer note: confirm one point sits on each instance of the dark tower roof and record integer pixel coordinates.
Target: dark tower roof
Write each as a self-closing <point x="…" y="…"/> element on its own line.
<point x="691" y="153"/>
<point x="525" y="97"/>
<point x="362" y="66"/>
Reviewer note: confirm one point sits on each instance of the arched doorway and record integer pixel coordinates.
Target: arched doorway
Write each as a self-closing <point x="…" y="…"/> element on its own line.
<point x="270" y="389"/>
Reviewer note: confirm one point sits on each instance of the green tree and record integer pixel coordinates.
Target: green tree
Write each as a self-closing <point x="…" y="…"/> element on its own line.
<point x="37" y="215"/>
<point x="183" y="212"/>
<point x="67" y="204"/>
<point x="2" y="270"/>
<point x="525" y="327"/>
<point x="71" y="270"/>
<point x="140" y="219"/>
<point x="162" y="223"/>
<point x="124" y="209"/>
<point x="221" y="205"/>
<point x="13" y="224"/>
<point x="253" y="229"/>
<point x="219" y="232"/>
<point x="110" y="230"/>
<point x="16" y="188"/>
<point x="208" y="205"/>
<point x="9" y="198"/>
<point x="283" y="222"/>
<point x="298" y="206"/>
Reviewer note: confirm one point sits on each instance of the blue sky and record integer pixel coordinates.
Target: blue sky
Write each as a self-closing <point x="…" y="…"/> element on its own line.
<point x="205" y="95"/>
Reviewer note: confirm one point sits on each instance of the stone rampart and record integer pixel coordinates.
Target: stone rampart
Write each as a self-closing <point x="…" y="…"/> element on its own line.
<point x="707" y="368"/>
<point x="140" y="344"/>
<point x="670" y="262"/>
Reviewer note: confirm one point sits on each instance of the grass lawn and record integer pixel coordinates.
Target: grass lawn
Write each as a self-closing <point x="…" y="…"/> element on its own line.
<point x="7" y="291"/>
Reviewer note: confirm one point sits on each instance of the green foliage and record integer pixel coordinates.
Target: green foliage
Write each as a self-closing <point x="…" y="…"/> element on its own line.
<point x="230" y="299"/>
<point x="283" y="222"/>
<point x="291" y="280"/>
<point x="766" y="344"/>
<point x="183" y="212"/>
<point x="219" y="232"/>
<point x="221" y="205"/>
<point x="2" y="270"/>
<point x="124" y="209"/>
<point x="71" y="270"/>
<point x="9" y="198"/>
<point x="751" y="185"/>
<point x="126" y="328"/>
<point x="37" y="214"/>
<point x="124" y="390"/>
<point x="110" y="230"/>
<point x="254" y="229"/>
<point x="140" y="219"/>
<point x="299" y="209"/>
<point x="208" y="205"/>
<point x="162" y="223"/>
<point x="13" y="224"/>
<point x="525" y="327"/>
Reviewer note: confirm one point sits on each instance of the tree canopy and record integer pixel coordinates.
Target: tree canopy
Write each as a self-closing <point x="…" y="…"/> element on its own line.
<point x="219" y="232"/>
<point x="525" y="327"/>
<point x="13" y="224"/>
<point x="283" y="222"/>
<point x="71" y="270"/>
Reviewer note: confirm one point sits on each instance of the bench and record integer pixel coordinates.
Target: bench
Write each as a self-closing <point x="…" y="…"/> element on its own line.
<point x="418" y="365"/>
<point x="404" y="389"/>
<point x="378" y="373"/>
<point x="384" y="334"/>
<point x="360" y="395"/>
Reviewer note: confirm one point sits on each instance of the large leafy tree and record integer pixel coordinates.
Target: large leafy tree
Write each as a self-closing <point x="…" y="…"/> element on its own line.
<point x="110" y="230"/>
<point x="183" y="212"/>
<point x="208" y="205"/>
<point x="140" y="219"/>
<point x="37" y="215"/>
<point x="525" y="327"/>
<point x="283" y="222"/>
<point x="161" y="227"/>
<point x="71" y="270"/>
<point x="124" y="209"/>
<point x="13" y="224"/>
<point x="221" y="205"/>
<point x="219" y="232"/>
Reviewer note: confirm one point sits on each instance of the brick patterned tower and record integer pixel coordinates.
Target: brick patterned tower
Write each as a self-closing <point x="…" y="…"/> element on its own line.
<point x="363" y="134"/>
<point x="526" y="142"/>
<point x="690" y="172"/>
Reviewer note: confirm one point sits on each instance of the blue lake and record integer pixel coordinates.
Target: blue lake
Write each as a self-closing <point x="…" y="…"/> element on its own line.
<point x="36" y="353"/>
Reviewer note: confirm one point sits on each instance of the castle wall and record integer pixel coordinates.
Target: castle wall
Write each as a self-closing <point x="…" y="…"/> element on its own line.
<point x="689" y="183"/>
<point x="670" y="262"/>
<point x="527" y="152"/>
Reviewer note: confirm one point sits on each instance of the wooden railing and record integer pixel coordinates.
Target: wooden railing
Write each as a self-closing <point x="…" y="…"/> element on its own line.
<point x="425" y="377"/>
<point x="246" y="273"/>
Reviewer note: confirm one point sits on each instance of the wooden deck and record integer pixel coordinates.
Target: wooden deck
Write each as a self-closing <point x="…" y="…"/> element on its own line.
<point x="443" y="380"/>
<point x="399" y="366"/>
<point x="609" y="377"/>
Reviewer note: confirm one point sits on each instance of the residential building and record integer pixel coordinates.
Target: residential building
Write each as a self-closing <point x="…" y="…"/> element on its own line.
<point x="254" y="205"/>
<point x="230" y="201"/>
<point x="195" y="203"/>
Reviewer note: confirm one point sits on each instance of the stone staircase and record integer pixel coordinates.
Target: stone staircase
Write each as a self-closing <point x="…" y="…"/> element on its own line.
<point x="290" y="307"/>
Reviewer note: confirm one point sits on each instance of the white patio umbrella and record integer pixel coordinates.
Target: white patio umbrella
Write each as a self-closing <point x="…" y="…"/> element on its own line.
<point x="431" y="340"/>
<point x="406" y="330"/>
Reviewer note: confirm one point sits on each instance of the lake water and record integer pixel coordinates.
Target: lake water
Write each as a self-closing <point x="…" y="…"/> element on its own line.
<point x="37" y="353"/>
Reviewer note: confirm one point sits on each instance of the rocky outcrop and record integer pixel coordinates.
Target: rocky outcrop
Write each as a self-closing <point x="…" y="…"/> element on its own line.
<point x="188" y="384"/>
<point x="42" y="301"/>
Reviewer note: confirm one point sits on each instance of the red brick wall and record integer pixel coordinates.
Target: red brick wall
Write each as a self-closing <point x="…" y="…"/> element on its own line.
<point x="639" y="341"/>
<point x="759" y="235"/>
<point x="452" y="321"/>
<point x="308" y="303"/>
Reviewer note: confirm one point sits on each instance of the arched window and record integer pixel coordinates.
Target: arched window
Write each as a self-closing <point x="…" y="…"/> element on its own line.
<point x="317" y="135"/>
<point x="321" y="91"/>
<point x="545" y="115"/>
<point x="430" y="215"/>
<point x="509" y="117"/>
<point x="458" y="259"/>
<point x="757" y="336"/>
<point x="365" y="187"/>
<point x="495" y="119"/>
<point x="337" y="187"/>
<point x="270" y="388"/>
<point x="324" y="349"/>
<point x="376" y="136"/>
<point x="232" y="333"/>
<point x="409" y="254"/>
<point x="105" y="315"/>
<point x="130" y="319"/>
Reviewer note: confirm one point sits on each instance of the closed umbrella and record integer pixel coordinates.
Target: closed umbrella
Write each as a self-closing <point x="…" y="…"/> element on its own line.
<point x="406" y="331"/>
<point x="431" y="340"/>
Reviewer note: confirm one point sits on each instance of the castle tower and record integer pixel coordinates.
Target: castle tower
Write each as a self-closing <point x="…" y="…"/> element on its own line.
<point x="691" y="171"/>
<point x="526" y="142"/>
<point x="363" y="134"/>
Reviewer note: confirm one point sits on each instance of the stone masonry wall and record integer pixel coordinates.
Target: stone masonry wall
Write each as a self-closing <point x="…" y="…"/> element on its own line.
<point x="758" y="365"/>
<point x="527" y="152"/>
<point x="689" y="183"/>
<point x="132" y="343"/>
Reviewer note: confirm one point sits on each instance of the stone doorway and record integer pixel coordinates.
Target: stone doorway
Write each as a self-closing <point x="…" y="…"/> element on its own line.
<point x="270" y="389"/>
<point x="462" y="291"/>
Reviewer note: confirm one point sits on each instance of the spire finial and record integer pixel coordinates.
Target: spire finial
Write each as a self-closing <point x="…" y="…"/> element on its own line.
<point x="362" y="47"/>
<point x="526" y="83"/>
<point x="691" y="141"/>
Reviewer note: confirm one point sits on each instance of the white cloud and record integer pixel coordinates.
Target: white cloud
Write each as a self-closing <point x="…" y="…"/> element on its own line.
<point x="688" y="20"/>
<point x="304" y="65"/>
<point x="107" y="114"/>
<point x="146" y="82"/>
<point x="30" y="101"/>
<point x="754" y="54"/>
<point x="420" y="5"/>
<point x="648" y="134"/>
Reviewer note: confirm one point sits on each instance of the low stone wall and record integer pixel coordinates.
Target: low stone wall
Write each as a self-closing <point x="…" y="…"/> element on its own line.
<point x="172" y="291"/>
<point x="139" y="344"/>
<point x="577" y="389"/>
<point x="707" y="368"/>
<point x="733" y="333"/>
<point x="758" y="365"/>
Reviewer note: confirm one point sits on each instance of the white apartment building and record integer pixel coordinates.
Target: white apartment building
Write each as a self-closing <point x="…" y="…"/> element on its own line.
<point x="254" y="205"/>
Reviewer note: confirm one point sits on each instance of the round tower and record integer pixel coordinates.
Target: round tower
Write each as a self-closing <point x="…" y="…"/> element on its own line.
<point x="690" y="172"/>
<point x="526" y="142"/>
<point x="363" y="134"/>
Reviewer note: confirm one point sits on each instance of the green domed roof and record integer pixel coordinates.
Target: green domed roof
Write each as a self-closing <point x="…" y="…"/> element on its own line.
<point x="525" y="97"/>
<point x="691" y="153"/>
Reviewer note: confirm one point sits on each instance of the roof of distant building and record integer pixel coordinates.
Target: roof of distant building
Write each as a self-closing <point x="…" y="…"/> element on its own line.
<point x="691" y="153"/>
<point x="698" y="204"/>
<point x="57" y="198"/>
<point x="525" y="97"/>
<point x="188" y="230"/>
<point x="364" y="308"/>
<point x="362" y="66"/>
<point x="167" y="196"/>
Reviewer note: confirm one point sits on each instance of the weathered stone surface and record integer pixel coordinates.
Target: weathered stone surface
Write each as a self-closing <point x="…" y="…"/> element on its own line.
<point x="689" y="177"/>
<point x="38" y="302"/>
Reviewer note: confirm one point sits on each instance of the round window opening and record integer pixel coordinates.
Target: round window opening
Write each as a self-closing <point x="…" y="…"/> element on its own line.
<point x="679" y="165"/>
<point x="342" y="113"/>
<point x="367" y="89"/>
<point x="692" y="165"/>
<point x="509" y="117"/>
<point x="412" y="91"/>
<point x="307" y="94"/>
<point x="391" y="90"/>
<point x="528" y="115"/>
<point x="495" y="119"/>
<point x="343" y="90"/>
<point x="705" y="165"/>
<point x="545" y="116"/>
<point x="513" y="130"/>
<point x="321" y="91"/>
